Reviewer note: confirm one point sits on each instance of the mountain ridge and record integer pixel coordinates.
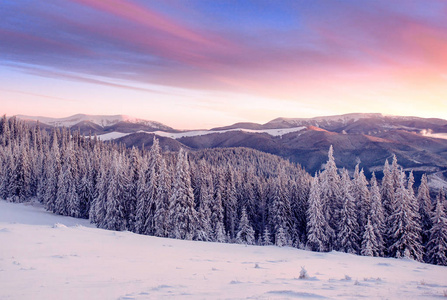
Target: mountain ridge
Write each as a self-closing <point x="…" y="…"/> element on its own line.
<point x="420" y="144"/>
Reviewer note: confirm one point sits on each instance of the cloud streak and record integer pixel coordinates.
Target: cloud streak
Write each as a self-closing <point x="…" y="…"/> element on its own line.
<point x="278" y="50"/>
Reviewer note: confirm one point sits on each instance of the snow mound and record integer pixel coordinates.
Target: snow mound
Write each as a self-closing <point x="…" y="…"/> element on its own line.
<point x="59" y="225"/>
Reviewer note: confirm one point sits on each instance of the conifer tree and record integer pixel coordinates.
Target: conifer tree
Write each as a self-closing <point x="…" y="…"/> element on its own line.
<point x="376" y="216"/>
<point x="425" y="208"/>
<point x="280" y="211"/>
<point x="266" y="240"/>
<point x="115" y="218"/>
<point x="387" y="190"/>
<point x="281" y="238"/>
<point x="370" y="243"/>
<point x="317" y="224"/>
<point x="347" y="235"/>
<point x="404" y="227"/>
<point x="162" y="201"/>
<point x="246" y="234"/>
<point x="218" y="228"/>
<point x="205" y="200"/>
<point x="183" y="218"/>
<point x="437" y="243"/>
<point x="362" y="197"/>
<point x="330" y="194"/>
<point x="229" y="202"/>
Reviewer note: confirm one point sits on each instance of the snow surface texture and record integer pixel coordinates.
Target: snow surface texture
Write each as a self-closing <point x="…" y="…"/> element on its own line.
<point x="44" y="256"/>
<point x="178" y="135"/>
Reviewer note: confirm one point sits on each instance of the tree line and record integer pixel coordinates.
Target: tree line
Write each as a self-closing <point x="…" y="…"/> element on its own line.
<point x="233" y="195"/>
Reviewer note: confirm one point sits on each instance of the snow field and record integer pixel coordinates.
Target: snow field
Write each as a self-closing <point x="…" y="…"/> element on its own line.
<point x="45" y="256"/>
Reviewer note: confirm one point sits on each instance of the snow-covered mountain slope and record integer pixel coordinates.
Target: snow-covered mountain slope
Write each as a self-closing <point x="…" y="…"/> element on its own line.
<point x="193" y="133"/>
<point x="43" y="256"/>
<point x="100" y="120"/>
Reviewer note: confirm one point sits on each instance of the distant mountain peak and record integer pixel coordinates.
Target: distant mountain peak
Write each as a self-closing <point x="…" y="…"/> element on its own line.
<point x="100" y="120"/>
<point x="344" y="117"/>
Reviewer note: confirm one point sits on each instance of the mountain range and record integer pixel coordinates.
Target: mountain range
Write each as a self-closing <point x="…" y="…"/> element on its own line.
<point x="420" y="144"/>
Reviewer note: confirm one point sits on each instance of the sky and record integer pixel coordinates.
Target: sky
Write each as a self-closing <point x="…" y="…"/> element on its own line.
<point x="200" y="64"/>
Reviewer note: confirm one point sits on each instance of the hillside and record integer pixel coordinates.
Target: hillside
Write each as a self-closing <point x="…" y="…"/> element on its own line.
<point x="44" y="256"/>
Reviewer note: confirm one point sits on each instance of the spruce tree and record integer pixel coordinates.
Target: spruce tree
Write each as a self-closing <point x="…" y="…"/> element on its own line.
<point x="348" y="228"/>
<point x="361" y="196"/>
<point x="246" y="234"/>
<point x="162" y="201"/>
<point x="370" y="244"/>
<point x="376" y="216"/>
<point x="317" y="224"/>
<point x="115" y="218"/>
<point x="266" y="240"/>
<point x="437" y="243"/>
<point x="280" y="210"/>
<point x="183" y="217"/>
<point x="404" y="231"/>
<point x="330" y="195"/>
<point x="425" y="208"/>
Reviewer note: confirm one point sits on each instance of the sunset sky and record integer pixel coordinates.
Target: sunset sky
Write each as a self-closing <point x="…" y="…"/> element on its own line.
<point x="200" y="64"/>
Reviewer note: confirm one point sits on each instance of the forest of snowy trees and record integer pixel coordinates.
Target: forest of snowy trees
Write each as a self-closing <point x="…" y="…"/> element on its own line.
<point x="234" y="195"/>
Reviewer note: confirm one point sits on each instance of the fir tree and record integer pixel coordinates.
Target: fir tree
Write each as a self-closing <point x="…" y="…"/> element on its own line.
<point x="404" y="230"/>
<point x="280" y="211"/>
<point x="162" y="201"/>
<point x="183" y="218"/>
<point x="281" y="238"/>
<point x="370" y="244"/>
<point x="317" y="224"/>
<point x="347" y="235"/>
<point x="330" y="195"/>
<point x="246" y="234"/>
<point x="115" y="218"/>
<point x="425" y="209"/>
<point x="362" y="197"/>
<point x="437" y="243"/>
<point x="376" y="216"/>
<point x="266" y="240"/>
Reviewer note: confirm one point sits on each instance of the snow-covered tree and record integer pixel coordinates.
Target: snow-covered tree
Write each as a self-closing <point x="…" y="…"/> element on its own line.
<point x="361" y="195"/>
<point x="183" y="219"/>
<point x="245" y="234"/>
<point x="115" y="218"/>
<point x="425" y="208"/>
<point x="376" y="216"/>
<point x="387" y="191"/>
<point x="216" y="219"/>
<point x="348" y="228"/>
<point x="318" y="227"/>
<point x="330" y="195"/>
<point x="370" y="244"/>
<point x="266" y="239"/>
<point x="404" y="228"/>
<point x="437" y="243"/>
<point x="281" y="238"/>
<point x="280" y="210"/>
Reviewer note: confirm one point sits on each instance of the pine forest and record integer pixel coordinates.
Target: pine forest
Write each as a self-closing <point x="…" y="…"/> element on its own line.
<point x="231" y="195"/>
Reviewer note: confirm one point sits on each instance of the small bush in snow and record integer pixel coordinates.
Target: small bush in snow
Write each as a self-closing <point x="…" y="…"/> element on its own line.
<point x="303" y="273"/>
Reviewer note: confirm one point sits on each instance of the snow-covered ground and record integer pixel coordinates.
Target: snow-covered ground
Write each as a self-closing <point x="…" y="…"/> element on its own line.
<point x="44" y="256"/>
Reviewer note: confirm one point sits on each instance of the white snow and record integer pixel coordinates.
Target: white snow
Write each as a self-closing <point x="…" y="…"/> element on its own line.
<point x="101" y="120"/>
<point x="325" y="119"/>
<point x="112" y="135"/>
<point x="178" y="135"/>
<point x="43" y="256"/>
